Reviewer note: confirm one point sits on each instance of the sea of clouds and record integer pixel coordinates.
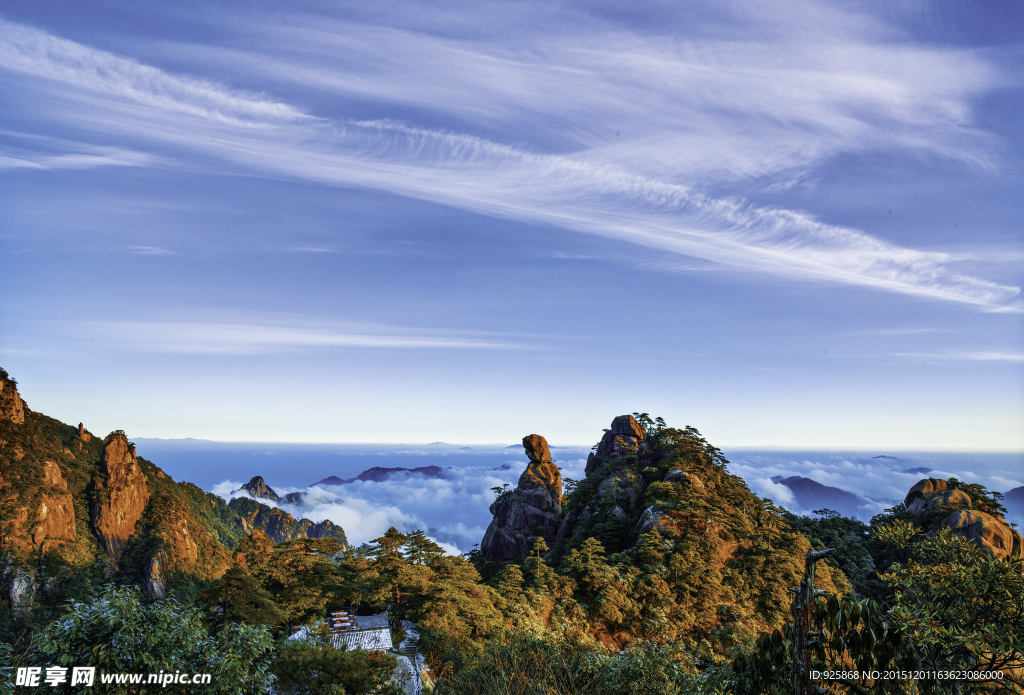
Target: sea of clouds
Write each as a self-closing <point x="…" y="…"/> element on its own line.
<point x="453" y="509"/>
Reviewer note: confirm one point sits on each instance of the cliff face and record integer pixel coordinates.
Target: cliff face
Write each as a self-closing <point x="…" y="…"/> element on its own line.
<point x="11" y="407"/>
<point x="528" y="512"/>
<point x="120" y="496"/>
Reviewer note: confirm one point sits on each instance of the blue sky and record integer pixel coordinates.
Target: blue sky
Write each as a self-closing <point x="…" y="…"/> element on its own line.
<point x="795" y="223"/>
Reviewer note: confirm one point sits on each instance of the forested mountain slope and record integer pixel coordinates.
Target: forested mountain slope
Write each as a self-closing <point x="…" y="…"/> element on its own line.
<point x="77" y="510"/>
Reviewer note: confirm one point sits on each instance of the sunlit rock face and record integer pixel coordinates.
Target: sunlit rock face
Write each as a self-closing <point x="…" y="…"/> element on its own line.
<point x="121" y="496"/>
<point x="934" y="493"/>
<point x="56" y="512"/>
<point x="528" y="512"/>
<point x="993" y="535"/>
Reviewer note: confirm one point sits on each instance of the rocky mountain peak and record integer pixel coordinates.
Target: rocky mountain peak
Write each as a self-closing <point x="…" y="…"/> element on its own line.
<point x="257" y="487"/>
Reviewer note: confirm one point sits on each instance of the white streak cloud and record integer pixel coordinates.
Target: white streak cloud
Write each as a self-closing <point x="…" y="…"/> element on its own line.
<point x="248" y="338"/>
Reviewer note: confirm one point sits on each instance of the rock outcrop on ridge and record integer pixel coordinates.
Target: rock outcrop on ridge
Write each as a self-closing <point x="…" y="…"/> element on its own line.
<point x="625" y="437"/>
<point x="12" y="408"/>
<point x="528" y="512"/>
<point x="935" y="499"/>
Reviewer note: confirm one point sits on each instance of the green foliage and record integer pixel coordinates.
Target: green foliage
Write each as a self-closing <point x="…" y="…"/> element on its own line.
<point x="300" y="576"/>
<point x="954" y="608"/>
<point x="119" y="633"/>
<point x="848" y="538"/>
<point x="961" y="607"/>
<point x="527" y="663"/>
<point x="982" y="498"/>
<point x="239" y="597"/>
<point x="6" y="670"/>
<point x="314" y="667"/>
<point x="523" y="663"/>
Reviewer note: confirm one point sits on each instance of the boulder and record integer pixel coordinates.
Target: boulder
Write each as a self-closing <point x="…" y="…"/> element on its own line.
<point x="681" y="476"/>
<point x="537" y="448"/>
<point x="624" y="438"/>
<point x="951" y="499"/>
<point x="22" y="593"/>
<point x="991" y="534"/>
<point x="121" y="496"/>
<point x="934" y="493"/>
<point x="924" y="487"/>
<point x="652" y="520"/>
<point x="620" y="488"/>
<point x="154" y="581"/>
<point x="12" y="408"/>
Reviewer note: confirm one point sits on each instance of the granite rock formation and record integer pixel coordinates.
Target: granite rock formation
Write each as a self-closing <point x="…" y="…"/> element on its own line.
<point x="680" y="476"/>
<point x="22" y="593"/>
<point x="626" y="437"/>
<point x="84" y="498"/>
<point x="934" y="493"/>
<point x="279" y="525"/>
<point x="930" y="498"/>
<point x="619" y="494"/>
<point x="154" y="581"/>
<point x="120" y="496"/>
<point x="528" y="512"/>
<point x="991" y="534"/>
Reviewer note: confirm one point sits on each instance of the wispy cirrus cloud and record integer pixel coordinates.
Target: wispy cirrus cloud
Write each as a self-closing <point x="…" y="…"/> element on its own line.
<point x="709" y="110"/>
<point x="37" y="53"/>
<point x="967" y="355"/>
<point x="252" y="338"/>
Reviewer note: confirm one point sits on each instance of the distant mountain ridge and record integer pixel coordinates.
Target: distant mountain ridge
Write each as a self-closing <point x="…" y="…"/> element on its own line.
<point x="811" y="495"/>
<point x="379" y="474"/>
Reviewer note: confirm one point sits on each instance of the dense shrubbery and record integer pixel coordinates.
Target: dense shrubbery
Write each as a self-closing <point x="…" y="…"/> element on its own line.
<point x="119" y="633"/>
<point x="314" y="667"/>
